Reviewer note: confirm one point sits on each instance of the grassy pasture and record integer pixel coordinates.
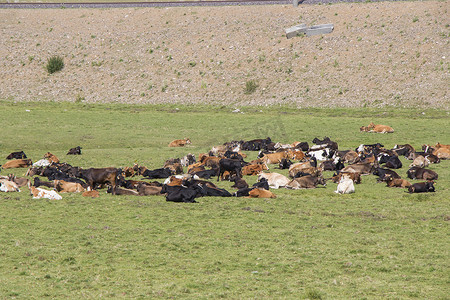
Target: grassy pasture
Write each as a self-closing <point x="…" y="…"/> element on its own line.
<point x="311" y="244"/>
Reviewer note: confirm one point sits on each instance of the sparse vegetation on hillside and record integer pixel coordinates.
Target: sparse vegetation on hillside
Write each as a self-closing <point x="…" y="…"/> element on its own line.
<point x="54" y="64"/>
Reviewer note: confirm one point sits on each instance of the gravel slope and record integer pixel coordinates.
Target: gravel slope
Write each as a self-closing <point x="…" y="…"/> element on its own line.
<point x="379" y="54"/>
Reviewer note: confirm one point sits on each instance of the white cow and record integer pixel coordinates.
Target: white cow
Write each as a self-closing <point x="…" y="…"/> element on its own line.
<point x="39" y="193"/>
<point x="275" y="180"/>
<point x="345" y="186"/>
<point x="8" y="186"/>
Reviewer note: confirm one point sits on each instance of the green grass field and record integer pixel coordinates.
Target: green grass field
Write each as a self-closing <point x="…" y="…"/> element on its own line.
<point x="378" y="243"/>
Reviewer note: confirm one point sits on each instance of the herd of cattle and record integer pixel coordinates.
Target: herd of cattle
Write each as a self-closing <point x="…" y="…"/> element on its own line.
<point x="305" y="163"/>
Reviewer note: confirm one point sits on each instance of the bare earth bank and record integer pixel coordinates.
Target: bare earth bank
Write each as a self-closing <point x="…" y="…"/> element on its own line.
<point x="379" y="54"/>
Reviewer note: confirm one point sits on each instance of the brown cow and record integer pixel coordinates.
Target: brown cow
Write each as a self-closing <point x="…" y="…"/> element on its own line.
<point x="51" y="158"/>
<point x="147" y="190"/>
<point x="68" y="187"/>
<point x="20" y="181"/>
<point x="363" y="169"/>
<point x="296" y="154"/>
<point x="92" y="194"/>
<point x="442" y="153"/>
<point x="17" y="163"/>
<point x="396" y="182"/>
<point x="253" y="170"/>
<point x="356" y="177"/>
<point x="377" y="128"/>
<point x="95" y="176"/>
<point x="179" y="143"/>
<point x="274" y="158"/>
<point x="306" y="182"/>
<point x="261" y="193"/>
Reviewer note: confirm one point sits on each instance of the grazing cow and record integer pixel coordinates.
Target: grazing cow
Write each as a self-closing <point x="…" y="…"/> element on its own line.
<point x="181" y="193"/>
<point x="275" y="180"/>
<point x="157" y="173"/>
<point x="421" y="173"/>
<point x="17" y="155"/>
<point x="17" y="163"/>
<point x="356" y="177"/>
<point x="252" y="170"/>
<point x="51" y="157"/>
<point x="396" y="182"/>
<point x="230" y="165"/>
<point x="420" y="161"/>
<point x="306" y="182"/>
<point x="39" y="193"/>
<point x="274" y="158"/>
<point x="345" y="186"/>
<point x="8" y="186"/>
<point x="68" y="187"/>
<point x="74" y="151"/>
<point x="421" y="187"/>
<point x="239" y="183"/>
<point x="149" y="190"/>
<point x="260" y="193"/>
<point x="179" y="143"/>
<point x="95" y="176"/>
<point x="92" y="194"/>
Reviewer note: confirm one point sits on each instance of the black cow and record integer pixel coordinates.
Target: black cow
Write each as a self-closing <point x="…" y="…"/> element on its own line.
<point x="262" y="183"/>
<point x="74" y="151"/>
<point x="421" y="173"/>
<point x="95" y="176"/>
<point x="243" y="192"/>
<point x="302" y="146"/>
<point x="207" y="174"/>
<point x="381" y="173"/>
<point x="230" y="165"/>
<point x="37" y="183"/>
<point x="157" y="173"/>
<point x="391" y="162"/>
<point x="239" y="183"/>
<point x="181" y="193"/>
<point x="17" y="155"/>
<point x="326" y="140"/>
<point x="285" y="163"/>
<point x="421" y="187"/>
<point x="233" y="155"/>
<point x="256" y="145"/>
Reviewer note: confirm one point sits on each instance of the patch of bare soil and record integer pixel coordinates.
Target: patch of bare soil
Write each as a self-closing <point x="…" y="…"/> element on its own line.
<point x="379" y="54"/>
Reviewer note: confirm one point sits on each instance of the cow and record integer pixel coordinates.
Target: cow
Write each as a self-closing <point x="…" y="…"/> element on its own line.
<point x="297" y="167"/>
<point x="391" y="162"/>
<point x="188" y="160"/>
<point x="284" y="164"/>
<point x="262" y="183"/>
<point x="275" y="180"/>
<point x="148" y="190"/>
<point x="396" y="182"/>
<point x="274" y="158"/>
<point x="239" y="183"/>
<point x="211" y="161"/>
<point x="356" y="177"/>
<point x="230" y="165"/>
<point x="403" y="150"/>
<point x="362" y="168"/>
<point x="421" y="173"/>
<point x="42" y="163"/>
<point x="8" y="186"/>
<point x="442" y="153"/>
<point x="206" y="174"/>
<point x="39" y="193"/>
<point x="345" y="186"/>
<point x="51" y="157"/>
<point x="68" y="187"/>
<point x="180" y="143"/>
<point x="17" y="163"/>
<point x="92" y="194"/>
<point x="301" y="146"/>
<point x="181" y="193"/>
<point x="157" y="173"/>
<point x="419" y="161"/>
<point x="38" y="182"/>
<point x="295" y="154"/>
<point x="306" y="182"/>
<point x="176" y="168"/>
<point x="260" y="193"/>
<point x="421" y="187"/>
<point x="123" y="191"/>
<point x="20" y="181"/>
<point x="95" y="176"/>
<point x="320" y="153"/>
<point x="252" y="170"/>
<point x="327" y="142"/>
<point x="382" y="173"/>
<point x="256" y="145"/>
<point x="74" y="151"/>
<point x="17" y="155"/>
<point x="377" y="128"/>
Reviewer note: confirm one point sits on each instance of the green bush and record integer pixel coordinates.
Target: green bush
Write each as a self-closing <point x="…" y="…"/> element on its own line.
<point x="54" y="64"/>
<point x="250" y="87"/>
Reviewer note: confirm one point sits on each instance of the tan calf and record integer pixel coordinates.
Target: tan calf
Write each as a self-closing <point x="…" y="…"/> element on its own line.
<point x="179" y="143"/>
<point x="261" y="193"/>
<point x="442" y="153"/>
<point x="396" y="182"/>
<point x="51" y="158"/>
<point x="274" y="158"/>
<point x="252" y="170"/>
<point x="17" y="163"/>
<point x="68" y="187"/>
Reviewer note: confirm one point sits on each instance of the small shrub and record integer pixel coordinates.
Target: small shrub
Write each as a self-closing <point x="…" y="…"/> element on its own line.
<point x="250" y="87"/>
<point x="54" y="64"/>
